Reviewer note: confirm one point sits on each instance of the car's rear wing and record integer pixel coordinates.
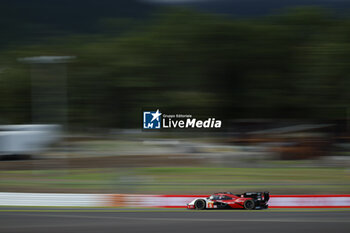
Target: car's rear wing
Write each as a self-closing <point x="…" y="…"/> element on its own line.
<point x="257" y="196"/>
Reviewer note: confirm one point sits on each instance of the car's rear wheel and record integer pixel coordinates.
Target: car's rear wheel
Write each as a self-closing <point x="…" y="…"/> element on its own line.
<point x="199" y="204"/>
<point x="249" y="205"/>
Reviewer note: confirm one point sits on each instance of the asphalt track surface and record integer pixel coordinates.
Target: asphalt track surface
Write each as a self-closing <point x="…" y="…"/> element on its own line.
<point x="52" y="220"/>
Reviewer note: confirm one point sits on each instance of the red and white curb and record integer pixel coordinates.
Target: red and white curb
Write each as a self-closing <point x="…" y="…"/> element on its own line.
<point x="163" y="201"/>
<point x="276" y="201"/>
<point x="52" y="199"/>
<point x="309" y="201"/>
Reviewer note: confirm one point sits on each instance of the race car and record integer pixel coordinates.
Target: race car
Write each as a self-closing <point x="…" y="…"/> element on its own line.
<point x="228" y="200"/>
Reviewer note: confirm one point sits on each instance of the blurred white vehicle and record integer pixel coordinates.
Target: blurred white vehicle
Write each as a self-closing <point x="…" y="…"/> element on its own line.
<point x="27" y="139"/>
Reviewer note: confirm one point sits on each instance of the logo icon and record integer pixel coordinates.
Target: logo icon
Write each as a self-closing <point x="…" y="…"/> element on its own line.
<point x="151" y="120"/>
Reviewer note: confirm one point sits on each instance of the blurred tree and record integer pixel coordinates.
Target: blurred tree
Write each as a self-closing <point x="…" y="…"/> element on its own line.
<point x="187" y="60"/>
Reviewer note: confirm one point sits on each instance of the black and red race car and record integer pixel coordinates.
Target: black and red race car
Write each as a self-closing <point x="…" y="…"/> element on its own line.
<point x="228" y="200"/>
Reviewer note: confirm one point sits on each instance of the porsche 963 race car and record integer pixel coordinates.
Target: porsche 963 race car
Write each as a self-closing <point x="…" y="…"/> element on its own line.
<point x="228" y="200"/>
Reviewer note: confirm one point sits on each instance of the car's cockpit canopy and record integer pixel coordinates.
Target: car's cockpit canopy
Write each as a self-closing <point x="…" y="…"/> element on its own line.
<point x="220" y="197"/>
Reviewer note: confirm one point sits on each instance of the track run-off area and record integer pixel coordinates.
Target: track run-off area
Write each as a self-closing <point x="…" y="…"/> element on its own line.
<point x="50" y="219"/>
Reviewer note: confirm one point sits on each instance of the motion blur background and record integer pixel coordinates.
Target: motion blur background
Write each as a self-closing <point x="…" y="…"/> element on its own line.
<point x="75" y="76"/>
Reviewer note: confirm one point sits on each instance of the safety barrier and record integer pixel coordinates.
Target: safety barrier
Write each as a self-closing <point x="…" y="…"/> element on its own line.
<point x="52" y="199"/>
<point x="310" y="201"/>
<point x="276" y="201"/>
<point x="162" y="201"/>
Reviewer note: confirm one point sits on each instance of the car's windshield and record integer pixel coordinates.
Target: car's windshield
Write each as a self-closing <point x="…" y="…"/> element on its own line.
<point x="219" y="197"/>
<point x="225" y="198"/>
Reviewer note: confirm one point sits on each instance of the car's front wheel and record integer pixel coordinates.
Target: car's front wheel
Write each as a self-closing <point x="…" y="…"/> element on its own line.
<point x="249" y="205"/>
<point x="199" y="204"/>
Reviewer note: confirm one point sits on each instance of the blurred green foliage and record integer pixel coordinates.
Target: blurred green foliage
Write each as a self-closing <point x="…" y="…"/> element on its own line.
<point x="184" y="59"/>
<point x="181" y="180"/>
